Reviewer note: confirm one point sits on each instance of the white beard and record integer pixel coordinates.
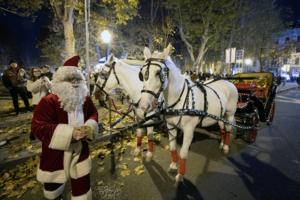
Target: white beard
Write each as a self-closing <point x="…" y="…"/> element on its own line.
<point x="70" y="97"/>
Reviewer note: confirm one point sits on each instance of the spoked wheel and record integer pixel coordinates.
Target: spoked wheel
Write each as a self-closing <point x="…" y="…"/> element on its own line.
<point x="271" y="114"/>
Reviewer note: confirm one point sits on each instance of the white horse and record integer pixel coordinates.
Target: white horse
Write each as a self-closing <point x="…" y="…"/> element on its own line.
<point x="116" y="73"/>
<point x="161" y="75"/>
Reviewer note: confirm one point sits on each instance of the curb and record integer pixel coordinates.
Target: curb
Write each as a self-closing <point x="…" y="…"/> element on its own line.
<point x="288" y="89"/>
<point x="25" y="155"/>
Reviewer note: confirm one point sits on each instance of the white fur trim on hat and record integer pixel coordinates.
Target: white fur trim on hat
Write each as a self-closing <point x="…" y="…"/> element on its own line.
<point x="67" y="71"/>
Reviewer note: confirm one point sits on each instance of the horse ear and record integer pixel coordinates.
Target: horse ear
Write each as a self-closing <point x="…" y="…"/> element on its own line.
<point x="168" y="50"/>
<point x="111" y="58"/>
<point x="147" y="53"/>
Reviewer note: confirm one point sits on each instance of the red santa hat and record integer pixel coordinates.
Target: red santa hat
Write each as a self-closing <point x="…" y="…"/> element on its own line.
<point x="72" y="61"/>
<point x="69" y="70"/>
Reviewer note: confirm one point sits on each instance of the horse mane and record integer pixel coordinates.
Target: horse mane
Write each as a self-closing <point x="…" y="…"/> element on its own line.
<point x="169" y="62"/>
<point x="130" y="67"/>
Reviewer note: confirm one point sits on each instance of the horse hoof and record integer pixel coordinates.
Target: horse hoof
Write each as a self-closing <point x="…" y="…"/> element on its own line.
<point x="149" y="156"/>
<point x="221" y="145"/>
<point x="173" y="168"/>
<point x="179" y="178"/>
<point x="225" y="149"/>
<point x="137" y="151"/>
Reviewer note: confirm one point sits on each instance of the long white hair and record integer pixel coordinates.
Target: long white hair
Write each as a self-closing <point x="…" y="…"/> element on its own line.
<point x="70" y="97"/>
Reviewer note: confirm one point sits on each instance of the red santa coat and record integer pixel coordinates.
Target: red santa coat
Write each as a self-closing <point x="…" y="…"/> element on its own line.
<point x="61" y="158"/>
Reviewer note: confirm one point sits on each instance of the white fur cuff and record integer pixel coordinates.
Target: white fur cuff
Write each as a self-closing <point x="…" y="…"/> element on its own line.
<point x="93" y="124"/>
<point x="54" y="194"/>
<point x="81" y="169"/>
<point x="61" y="137"/>
<point x="58" y="176"/>
<point x="86" y="196"/>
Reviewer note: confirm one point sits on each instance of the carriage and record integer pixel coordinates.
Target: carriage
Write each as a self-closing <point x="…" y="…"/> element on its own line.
<point x="256" y="103"/>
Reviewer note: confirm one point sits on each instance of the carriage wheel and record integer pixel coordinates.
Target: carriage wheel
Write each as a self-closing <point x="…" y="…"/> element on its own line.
<point x="271" y="114"/>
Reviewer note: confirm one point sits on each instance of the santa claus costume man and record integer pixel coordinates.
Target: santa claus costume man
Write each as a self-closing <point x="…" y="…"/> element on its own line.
<point x="62" y="121"/>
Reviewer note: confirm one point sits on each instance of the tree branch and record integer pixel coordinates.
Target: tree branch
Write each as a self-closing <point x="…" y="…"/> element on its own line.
<point x="57" y="10"/>
<point x="69" y="11"/>
<point x="183" y="37"/>
<point x="10" y="11"/>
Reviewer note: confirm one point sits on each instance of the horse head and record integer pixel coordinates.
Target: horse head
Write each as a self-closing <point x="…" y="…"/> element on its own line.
<point x="154" y="75"/>
<point x="107" y="78"/>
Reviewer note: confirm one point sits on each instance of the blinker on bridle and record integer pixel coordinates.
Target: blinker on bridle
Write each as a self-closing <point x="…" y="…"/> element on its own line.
<point x="106" y="75"/>
<point x="164" y="73"/>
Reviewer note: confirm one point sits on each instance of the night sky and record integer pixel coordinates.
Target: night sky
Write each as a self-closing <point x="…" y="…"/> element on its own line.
<point x="25" y="32"/>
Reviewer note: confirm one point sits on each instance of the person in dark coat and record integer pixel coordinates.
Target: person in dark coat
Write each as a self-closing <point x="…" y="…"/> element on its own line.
<point x="298" y="80"/>
<point x="14" y="79"/>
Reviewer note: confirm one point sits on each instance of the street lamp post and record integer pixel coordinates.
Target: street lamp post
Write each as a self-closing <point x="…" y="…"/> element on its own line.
<point x="106" y="38"/>
<point x="248" y="62"/>
<point x="87" y="56"/>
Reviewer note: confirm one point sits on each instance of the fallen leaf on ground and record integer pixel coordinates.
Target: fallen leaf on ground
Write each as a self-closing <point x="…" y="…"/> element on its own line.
<point x="139" y="170"/>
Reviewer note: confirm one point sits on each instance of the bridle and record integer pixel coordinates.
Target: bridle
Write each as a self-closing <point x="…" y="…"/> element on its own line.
<point x="105" y="76"/>
<point x="164" y="73"/>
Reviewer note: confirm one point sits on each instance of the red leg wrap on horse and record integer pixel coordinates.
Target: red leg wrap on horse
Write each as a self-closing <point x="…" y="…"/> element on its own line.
<point x="253" y="136"/>
<point x="150" y="145"/>
<point x="182" y="166"/>
<point x="227" y="138"/>
<point x="138" y="141"/>
<point x="222" y="134"/>
<point x="174" y="156"/>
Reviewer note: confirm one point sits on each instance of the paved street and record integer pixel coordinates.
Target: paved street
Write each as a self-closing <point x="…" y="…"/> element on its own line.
<point x="267" y="169"/>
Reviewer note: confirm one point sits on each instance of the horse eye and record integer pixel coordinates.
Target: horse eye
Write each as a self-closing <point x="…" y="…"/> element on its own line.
<point x="157" y="73"/>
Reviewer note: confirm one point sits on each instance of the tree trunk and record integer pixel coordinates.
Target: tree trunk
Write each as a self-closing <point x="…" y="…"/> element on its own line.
<point x="202" y="50"/>
<point x="187" y="44"/>
<point x="64" y="12"/>
<point x="198" y="64"/>
<point x="69" y="39"/>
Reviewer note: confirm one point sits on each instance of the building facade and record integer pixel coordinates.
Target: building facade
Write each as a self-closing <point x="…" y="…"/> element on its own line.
<point x="290" y="64"/>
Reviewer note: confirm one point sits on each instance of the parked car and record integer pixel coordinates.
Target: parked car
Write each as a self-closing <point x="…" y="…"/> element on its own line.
<point x="286" y="76"/>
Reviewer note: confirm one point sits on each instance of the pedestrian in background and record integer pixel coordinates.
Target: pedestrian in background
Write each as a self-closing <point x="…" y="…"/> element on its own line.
<point x="14" y="79"/>
<point x="38" y="85"/>
<point x="298" y="80"/>
<point x="45" y="71"/>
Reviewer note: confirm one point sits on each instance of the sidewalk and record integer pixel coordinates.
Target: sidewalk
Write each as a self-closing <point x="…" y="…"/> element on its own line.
<point x="288" y="86"/>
